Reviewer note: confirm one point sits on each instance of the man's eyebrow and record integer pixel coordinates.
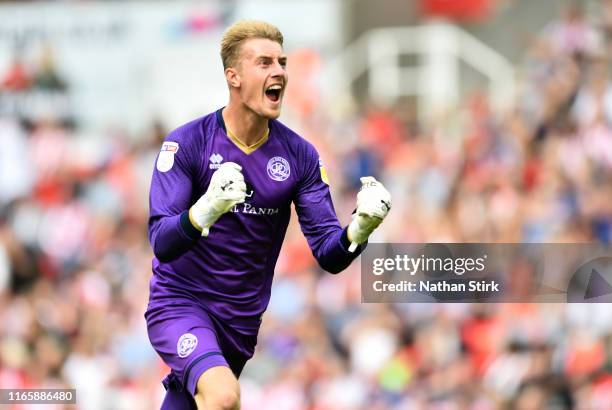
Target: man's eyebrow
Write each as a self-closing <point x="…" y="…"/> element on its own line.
<point x="263" y="57"/>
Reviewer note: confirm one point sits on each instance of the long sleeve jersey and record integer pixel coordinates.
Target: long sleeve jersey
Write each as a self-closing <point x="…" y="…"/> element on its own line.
<point x="230" y="271"/>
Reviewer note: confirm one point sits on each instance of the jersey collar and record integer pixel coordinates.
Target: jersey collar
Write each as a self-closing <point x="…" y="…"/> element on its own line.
<point x="247" y="149"/>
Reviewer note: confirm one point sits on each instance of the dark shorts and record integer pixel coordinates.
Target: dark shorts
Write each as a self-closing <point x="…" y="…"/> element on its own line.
<point x="191" y="341"/>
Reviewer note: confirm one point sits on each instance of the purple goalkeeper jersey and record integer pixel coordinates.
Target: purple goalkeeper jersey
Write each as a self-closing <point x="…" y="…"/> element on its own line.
<point x="229" y="272"/>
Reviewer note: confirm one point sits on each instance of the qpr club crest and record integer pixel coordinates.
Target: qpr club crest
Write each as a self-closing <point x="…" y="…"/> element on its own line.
<point x="278" y="169"/>
<point x="186" y="345"/>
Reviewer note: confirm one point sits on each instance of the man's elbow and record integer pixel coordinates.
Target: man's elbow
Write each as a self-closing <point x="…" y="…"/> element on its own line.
<point x="162" y="254"/>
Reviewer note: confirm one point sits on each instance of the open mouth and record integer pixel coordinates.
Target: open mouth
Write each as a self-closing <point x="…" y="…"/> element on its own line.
<point x="274" y="92"/>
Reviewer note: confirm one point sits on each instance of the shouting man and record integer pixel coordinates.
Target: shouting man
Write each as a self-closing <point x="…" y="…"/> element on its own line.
<point x="220" y="205"/>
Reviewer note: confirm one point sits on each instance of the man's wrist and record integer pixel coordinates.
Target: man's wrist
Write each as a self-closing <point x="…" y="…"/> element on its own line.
<point x="188" y="227"/>
<point x="346" y="242"/>
<point x="194" y="223"/>
<point x="346" y="239"/>
<point x="202" y="216"/>
<point x="355" y="232"/>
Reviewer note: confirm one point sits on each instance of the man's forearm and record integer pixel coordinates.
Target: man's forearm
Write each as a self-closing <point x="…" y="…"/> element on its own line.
<point x="172" y="236"/>
<point x="333" y="254"/>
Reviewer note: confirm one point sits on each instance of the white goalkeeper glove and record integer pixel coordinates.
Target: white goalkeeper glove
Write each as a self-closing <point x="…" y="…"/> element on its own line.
<point x="227" y="189"/>
<point x="373" y="205"/>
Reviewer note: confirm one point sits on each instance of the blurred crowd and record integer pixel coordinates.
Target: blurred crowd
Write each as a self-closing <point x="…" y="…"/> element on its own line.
<point x="75" y="261"/>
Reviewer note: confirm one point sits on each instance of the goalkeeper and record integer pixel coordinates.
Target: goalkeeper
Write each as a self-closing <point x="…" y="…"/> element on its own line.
<point x="219" y="209"/>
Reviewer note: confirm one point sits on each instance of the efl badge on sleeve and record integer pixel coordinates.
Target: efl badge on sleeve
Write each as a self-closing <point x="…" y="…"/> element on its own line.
<point x="165" y="160"/>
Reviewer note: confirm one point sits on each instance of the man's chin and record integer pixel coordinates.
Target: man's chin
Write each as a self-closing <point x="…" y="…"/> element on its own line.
<point x="272" y="114"/>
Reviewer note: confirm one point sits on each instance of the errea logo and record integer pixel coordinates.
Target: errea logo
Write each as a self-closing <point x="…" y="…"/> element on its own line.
<point x="215" y="161"/>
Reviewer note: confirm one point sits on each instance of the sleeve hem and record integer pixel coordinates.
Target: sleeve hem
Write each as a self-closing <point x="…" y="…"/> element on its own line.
<point x="345" y="243"/>
<point x="187" y="227"/>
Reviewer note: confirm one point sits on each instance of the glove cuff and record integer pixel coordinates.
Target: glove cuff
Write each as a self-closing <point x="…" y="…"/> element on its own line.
<point x="202" y="215"/>
<point x="355" y="233"/>
<point x="193" y="221"/>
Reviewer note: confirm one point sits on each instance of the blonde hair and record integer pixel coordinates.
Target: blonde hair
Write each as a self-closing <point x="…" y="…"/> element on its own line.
<point x="243" y="30"/>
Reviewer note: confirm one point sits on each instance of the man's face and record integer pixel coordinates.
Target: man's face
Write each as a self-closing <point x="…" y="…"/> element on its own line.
<point x="262" y="76"/>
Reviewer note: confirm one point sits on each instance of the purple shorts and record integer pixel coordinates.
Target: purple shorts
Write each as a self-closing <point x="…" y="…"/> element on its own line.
<point x="190" y="341"/>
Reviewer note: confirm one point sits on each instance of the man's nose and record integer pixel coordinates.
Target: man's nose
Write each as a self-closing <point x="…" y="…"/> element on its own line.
<point x="278" y="70"/>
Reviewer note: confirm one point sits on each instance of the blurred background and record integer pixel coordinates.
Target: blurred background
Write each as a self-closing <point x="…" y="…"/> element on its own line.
<point x="488" y="120"/>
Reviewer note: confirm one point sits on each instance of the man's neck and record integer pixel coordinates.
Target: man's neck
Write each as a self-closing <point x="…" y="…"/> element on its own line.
<point x="244" y="124"/>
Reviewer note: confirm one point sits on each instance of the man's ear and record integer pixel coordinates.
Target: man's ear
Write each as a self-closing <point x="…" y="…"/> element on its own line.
<point x="232" y="77"/>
